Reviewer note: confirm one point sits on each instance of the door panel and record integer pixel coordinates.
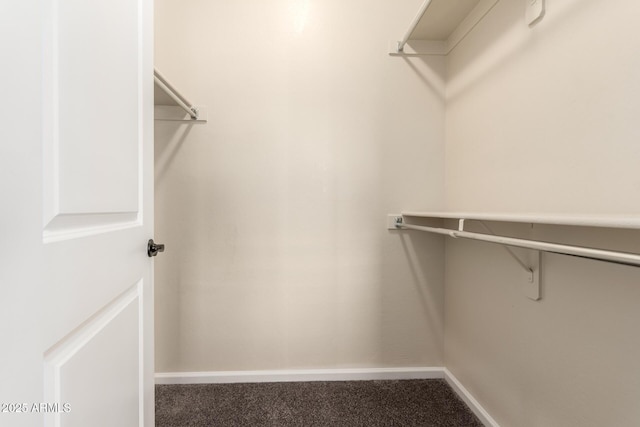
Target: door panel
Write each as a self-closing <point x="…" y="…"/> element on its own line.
<point x="86" y="361"/>
<point x="76" y="164"/>
<point x="93" y="116"/>
<point x="99" y="104"/>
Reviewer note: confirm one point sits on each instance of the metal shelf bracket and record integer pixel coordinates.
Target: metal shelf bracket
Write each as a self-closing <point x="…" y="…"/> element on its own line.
<point x="531" y="278"/>
<point x="531" y="269"/>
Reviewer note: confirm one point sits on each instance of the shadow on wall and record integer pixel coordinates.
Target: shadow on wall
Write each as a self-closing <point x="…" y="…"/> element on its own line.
<point x="434" y="80"/>
<point x="425" y="256"/>
<point x="169" y="138"/>
<point x="167" y="144"/>
<point x="413" y="294"/>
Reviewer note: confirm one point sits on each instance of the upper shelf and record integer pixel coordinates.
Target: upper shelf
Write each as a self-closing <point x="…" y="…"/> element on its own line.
<point x="440" y="25"/>
<point x="171" y="105"/>
<point x="609" y="221"/>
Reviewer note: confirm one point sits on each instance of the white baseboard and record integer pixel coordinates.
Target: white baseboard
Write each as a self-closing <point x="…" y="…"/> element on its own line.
<point x="227" y="377"/>
<point x="471" y="402"/>
<point x="365" y="374"/>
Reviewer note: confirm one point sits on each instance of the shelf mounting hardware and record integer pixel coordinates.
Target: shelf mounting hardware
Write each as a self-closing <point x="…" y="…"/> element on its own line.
<point x="176" y="96"/>
<point x="531" y="282"/>
<point x="414" y="24"/>
<point x="532" y="273"/>
<point x="532" y="291"/>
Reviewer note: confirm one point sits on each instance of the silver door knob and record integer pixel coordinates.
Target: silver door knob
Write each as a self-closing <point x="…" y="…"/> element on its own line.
<point x="153" y="248"/>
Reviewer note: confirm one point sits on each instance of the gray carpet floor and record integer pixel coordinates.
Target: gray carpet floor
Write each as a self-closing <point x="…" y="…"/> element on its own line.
<point x="335" y="403"/>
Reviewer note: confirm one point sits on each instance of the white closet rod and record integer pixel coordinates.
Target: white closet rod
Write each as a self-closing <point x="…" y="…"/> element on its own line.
<point x="414" y="24"/>
<point x="625" y="258"/>
<point x="175" y="95"/>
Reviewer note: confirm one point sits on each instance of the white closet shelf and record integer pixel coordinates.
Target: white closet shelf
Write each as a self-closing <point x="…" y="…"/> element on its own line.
<point x="586" y="220"/>
<point x="531" y="286"/>
<point x="440" y="25"/>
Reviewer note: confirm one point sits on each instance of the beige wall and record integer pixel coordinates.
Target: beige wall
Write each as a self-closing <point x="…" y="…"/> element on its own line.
<point x="274" y="212"/>
<point x="545" y="120"/>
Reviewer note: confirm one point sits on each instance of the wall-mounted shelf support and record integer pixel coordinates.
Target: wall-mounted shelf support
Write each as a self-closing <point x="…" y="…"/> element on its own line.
<point x="532" y="290"/>
<point x="623" y="258"/>
<point x="531" y="285"/>
<point x="531" y="277"/>
<point x="510" y="251"/>
<point x="168" y="99"/>
<point x="414" y="24"/>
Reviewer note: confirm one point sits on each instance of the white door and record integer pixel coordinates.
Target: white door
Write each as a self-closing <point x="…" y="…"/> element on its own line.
<point x="76" y="195"/>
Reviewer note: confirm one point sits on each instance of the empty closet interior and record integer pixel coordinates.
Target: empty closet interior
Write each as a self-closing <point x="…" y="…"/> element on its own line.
<point x="320" y="129"/>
